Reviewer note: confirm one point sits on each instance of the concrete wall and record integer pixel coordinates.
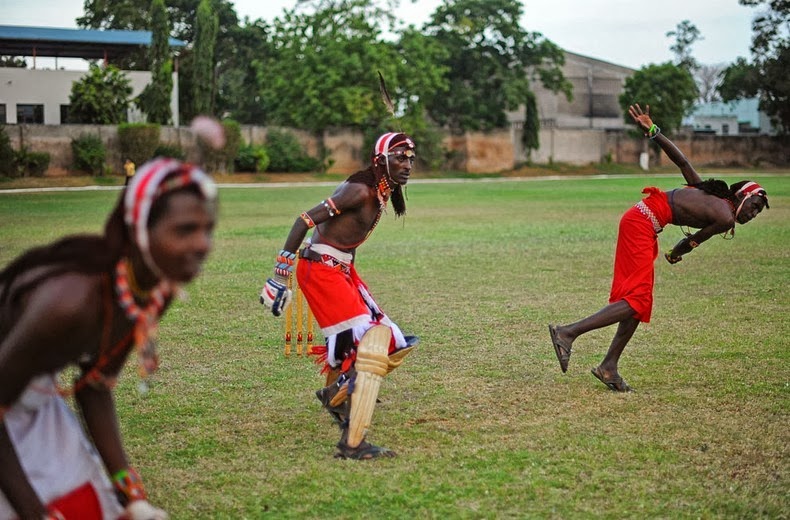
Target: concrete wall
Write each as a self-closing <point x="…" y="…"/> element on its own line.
<point x="477" y="152"/>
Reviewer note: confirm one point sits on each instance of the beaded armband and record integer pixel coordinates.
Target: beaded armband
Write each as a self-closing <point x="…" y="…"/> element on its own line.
<point x="129" y="486"/>
<point x="284" y="265"/>
<point x="307" y="220"/>
<point x="330" y="206"/>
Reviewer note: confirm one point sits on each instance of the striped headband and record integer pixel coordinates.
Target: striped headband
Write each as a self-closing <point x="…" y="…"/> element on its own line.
<point x="152" y="180"/>
<point x="752" y="188"/>
<point x="391" y="140"/>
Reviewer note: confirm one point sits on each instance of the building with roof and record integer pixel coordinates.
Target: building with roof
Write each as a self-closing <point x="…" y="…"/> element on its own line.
<point x="41" y="96"/>
<point x="575" y="130"/>
<point x="739" y="117"/>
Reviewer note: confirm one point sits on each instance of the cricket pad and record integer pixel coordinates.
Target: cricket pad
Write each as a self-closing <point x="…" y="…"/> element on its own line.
<point x="371" y="366"/>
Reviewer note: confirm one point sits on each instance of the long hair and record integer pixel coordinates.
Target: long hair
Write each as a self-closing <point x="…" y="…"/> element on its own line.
<point x="82" y="253"/>
<point x="722" y="190"/>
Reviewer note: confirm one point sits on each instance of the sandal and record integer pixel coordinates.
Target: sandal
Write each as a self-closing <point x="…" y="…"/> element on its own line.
<point x="615" y="383"/>
<point x="563" y="351"/>
<point x="365" y="451"/>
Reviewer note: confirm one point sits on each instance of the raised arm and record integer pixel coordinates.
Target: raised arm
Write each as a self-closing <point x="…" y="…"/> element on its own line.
<point x="644" y="121"/>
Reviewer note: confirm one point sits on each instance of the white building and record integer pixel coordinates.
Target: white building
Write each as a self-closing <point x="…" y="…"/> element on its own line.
<point x="41" y="96"/>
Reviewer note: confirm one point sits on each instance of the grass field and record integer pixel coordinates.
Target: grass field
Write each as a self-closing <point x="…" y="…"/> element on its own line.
<point x="485" y="424"/>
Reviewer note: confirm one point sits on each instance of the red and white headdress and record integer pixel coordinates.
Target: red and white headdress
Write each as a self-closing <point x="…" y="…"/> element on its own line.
<point x="750" y="189"/>
<point x="152" y="180"/>
<point x="391" y="140"/>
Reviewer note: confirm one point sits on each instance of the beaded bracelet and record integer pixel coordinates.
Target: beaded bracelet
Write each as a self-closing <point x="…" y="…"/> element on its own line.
<point x="284" y="265"/>
<point x="129" y="485"/>
<point x="653" y="131"/>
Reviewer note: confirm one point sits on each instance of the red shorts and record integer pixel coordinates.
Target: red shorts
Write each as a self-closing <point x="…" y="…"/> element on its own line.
<point x="333" y="296"/>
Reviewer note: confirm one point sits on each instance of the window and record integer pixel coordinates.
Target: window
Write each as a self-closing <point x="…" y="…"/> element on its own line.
<point x="3" y="119"/>
<point x="725" y="129"/>
<point x="30" y="114"/>
<point x="64" y="114"/>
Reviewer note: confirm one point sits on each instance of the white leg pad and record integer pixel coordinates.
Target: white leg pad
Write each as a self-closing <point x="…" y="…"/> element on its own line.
<point x="371" y="366"/>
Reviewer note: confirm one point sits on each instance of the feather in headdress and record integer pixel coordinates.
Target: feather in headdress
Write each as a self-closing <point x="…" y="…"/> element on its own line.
<point x="385" y="96"/>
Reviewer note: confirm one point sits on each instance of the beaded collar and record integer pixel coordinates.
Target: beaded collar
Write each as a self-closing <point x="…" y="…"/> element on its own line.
<point x="146" y="318"/>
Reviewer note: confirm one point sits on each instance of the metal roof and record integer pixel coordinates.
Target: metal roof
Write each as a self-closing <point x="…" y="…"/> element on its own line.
<point x="17" y="40"/>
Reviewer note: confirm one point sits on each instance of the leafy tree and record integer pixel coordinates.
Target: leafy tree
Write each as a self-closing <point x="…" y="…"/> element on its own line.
<point x="490" y="62"/>
<point x="154" y="100"/>
<point x="134" y="15"/>
<point x="668" y="89"/>
<point x="242" y="74"/>
<point x="206" y="29"/>
<point x="766" y="76"/>
<point x="531" y="124"/>
<point x="101" y="97"/>
<point x="322" y="72"/>
<point x="686" y="34"/>
<point x="708" y="78"/>
<point x="13" y="62"/>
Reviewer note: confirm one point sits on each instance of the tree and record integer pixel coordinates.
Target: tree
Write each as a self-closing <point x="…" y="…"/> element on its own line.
<point x="708" y="78"/>
<point x="101" y="97"/>
<point x="13" y="62"/>
<point x="243" y="74"/>
<point x="668" y="89"/>
<point x="206" y="29"/>
<point x="766" y="77"/>
<point x="686" y="34"/>
<point x="490" y="62"/>
<point x="322" y="71"/>
<point x="134" y="15"/>
<point x="154" y="100"/>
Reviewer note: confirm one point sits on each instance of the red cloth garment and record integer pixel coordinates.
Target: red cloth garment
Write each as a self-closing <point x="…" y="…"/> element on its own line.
<point x="333" y="296"/>
<point x="637" y="250"/>
<point x="80" y="504"/>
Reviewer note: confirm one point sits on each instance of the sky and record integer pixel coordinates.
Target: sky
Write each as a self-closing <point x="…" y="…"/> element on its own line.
<point x="631" y="33"/>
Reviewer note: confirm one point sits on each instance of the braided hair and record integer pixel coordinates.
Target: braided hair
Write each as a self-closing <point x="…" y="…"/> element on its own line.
<point x="368" y="178"/>
<point x="720" y="189"/>
<point x="85" y="253"/>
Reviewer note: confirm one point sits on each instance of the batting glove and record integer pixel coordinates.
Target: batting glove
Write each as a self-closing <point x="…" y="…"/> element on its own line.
<point x="672" y="259"/>
<point x="275" y="296"/>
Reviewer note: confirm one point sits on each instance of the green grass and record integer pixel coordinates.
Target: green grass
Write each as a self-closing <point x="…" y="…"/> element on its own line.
<point x="485" y="423"/>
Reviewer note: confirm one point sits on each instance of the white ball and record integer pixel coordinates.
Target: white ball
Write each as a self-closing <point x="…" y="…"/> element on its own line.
<point x="209" y="130"/>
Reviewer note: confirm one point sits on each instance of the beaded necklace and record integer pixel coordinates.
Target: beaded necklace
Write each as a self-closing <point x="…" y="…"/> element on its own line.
<point x="146" y="319"/>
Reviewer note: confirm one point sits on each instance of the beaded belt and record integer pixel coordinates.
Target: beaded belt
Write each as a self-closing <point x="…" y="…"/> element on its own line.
<point x="325" y="257"/>
<point x="642" y="207"/>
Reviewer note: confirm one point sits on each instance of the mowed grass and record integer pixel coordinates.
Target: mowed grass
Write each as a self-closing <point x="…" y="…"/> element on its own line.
<point x="484" y="422"/>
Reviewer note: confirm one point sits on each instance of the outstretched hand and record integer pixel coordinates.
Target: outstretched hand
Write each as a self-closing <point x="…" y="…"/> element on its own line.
<point x="640" y="117"/>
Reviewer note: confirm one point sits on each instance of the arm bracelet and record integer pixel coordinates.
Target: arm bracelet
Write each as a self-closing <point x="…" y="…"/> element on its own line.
<point x="307" y="220"/>
<point x="331" y="207"/>
<point x="129" y="486"/>
<point x="653" y="132"/>
<point x="284" y="265"/>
